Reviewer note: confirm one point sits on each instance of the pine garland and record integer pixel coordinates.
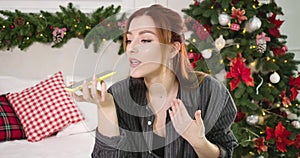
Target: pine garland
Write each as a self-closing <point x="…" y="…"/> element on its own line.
<point x="23" y="29"/>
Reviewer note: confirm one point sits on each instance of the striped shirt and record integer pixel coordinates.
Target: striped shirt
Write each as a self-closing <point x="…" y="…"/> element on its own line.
<point x="136" y="119"/>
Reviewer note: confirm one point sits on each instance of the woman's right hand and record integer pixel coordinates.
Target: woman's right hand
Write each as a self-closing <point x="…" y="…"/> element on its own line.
<point x="101" y="98"/>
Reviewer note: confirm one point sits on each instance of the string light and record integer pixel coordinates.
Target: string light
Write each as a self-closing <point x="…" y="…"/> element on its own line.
<point x="263" y="113"/>
<point x="75" y="25"/>
<point x="244" y="30"/>
<point x="253" y="64"/>
<point x="268" y="58"/>
<point x="221" y="61"/>
<point x="270" y="85"/>
<point x="261" y="132"/>
<point x="285" y="61"/>
<point x="277" y="105"/>
<point x="212" y="7"/>
<point x="193" y="40"/>
<point x="103" y="39"/>
<point x="65" y="33"/>
<point x="251" y="153"/>
<point x="225" y="9"/>
<point x="237" y="46"/>
<point x="273" y="60"/>
<point x="3" y="26"/>
<point x="27" y="38"/>
<point x="27" y="23"/>
<point x="41" y="16"/>
<point x="253" y="6"/>
<point x="87" y="27"/>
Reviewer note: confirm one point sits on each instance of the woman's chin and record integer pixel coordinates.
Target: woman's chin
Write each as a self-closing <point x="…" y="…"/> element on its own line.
<point x="135" y="75"/>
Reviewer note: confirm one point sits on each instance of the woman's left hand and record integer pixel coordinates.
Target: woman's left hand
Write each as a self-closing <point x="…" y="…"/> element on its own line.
<point x="184" y="124"/>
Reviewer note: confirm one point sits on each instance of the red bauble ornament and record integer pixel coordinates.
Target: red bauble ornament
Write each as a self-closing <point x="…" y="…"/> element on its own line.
<point x="12" y="26"/>
<point x="239" y="116"/>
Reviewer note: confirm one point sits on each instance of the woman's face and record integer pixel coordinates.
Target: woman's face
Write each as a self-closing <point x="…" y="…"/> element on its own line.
<point x="143" y="48"/>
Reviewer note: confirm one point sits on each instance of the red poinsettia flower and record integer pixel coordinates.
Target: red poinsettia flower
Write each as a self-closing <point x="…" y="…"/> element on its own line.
<point x="270" y="133"/>
<point x="295" y="82"/>
<point x="277" y="23"/>
<point x="279" y="51"/>
<point x="294" y="87"/>
<point x="239" y="14"/>
<point x="294" y="93"/>
<point x="284" y="99"/>
<point x="260" y="144"/>
<point x="282" y="137"/>
<point x="296" y="143"/>
<point x="238" y="71"/>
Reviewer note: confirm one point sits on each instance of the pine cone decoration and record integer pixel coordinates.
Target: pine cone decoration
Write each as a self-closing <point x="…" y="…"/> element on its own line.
<point x="262" y="46"/>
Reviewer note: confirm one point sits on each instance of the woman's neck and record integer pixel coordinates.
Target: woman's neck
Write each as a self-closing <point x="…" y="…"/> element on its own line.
<point x="161" y="90"/>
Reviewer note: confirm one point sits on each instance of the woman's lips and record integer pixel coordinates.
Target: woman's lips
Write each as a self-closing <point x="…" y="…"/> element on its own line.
<point x="134" y="62"/>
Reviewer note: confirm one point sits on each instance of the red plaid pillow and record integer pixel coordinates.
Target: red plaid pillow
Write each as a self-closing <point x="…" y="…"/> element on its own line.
<point x="45" y="108"/>
<point x="10" y="125"/>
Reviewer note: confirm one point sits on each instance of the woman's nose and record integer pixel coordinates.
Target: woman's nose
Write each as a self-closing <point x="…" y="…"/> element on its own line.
<point x="132" y="47"/>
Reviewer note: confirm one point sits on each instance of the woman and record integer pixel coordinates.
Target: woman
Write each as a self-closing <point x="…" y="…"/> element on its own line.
<point x="164" y="109"/>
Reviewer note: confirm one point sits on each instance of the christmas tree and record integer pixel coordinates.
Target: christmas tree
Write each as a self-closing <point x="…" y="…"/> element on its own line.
<point x="259" y="71"/>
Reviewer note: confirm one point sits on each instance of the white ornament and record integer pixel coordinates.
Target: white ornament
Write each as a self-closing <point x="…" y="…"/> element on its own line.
<point x="224" y="19"/>
<point x="292" y="116"/>
<point x="252" y="119"/>
<point x="206" y="53"/>
<point x="253" y="24"/>
<point x="220" y="42"/>
<point x="264" y="1"/>
<point x="296" y="124"/>
<point x="274" y="77"/>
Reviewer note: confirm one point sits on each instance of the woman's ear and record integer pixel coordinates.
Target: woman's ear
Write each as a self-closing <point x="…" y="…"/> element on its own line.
<point x="176" y="46"/>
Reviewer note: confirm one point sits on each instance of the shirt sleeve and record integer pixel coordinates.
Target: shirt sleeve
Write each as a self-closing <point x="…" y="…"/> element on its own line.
<point x="130" y="141"/>
<point x="221" y="133"/>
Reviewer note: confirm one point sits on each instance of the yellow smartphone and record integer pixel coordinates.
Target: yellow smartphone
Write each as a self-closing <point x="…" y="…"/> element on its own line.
<point x="101" y="76"/>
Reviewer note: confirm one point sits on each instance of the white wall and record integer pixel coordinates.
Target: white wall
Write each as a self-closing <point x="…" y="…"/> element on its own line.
<point x="40" y="60"/>
<point x="291" y="25"/>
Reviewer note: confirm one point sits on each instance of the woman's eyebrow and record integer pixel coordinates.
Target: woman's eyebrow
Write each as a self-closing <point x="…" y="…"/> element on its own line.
<point x="142" y="32"/>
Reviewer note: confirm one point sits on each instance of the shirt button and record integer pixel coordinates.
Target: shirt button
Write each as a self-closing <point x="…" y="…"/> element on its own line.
<point x="149" y="123"/>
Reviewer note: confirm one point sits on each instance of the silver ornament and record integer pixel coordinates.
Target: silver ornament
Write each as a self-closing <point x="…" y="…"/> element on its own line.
<point x="252" y="119"/>
<point x="224" y="19"/>
<point x="253" y="24"/>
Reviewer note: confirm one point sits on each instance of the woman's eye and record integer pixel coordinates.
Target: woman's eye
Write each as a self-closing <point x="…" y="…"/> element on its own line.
<point x="146" y="41"/>
<point x="128" y="41"/>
